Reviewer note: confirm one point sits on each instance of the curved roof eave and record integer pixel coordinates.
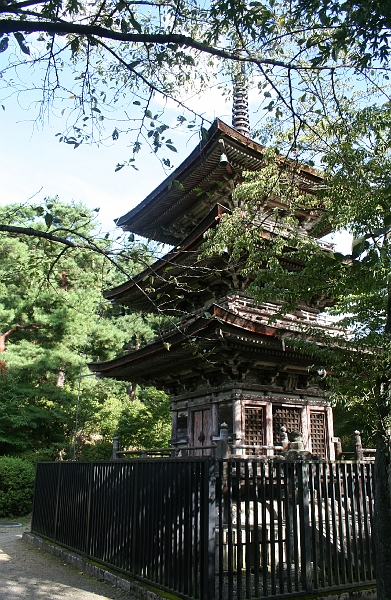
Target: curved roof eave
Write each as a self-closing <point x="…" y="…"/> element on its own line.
<point x="217" y="130"/>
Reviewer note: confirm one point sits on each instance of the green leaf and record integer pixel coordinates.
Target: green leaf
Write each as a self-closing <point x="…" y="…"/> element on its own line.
<point x="21" y="41"/>
<point x="378" y="232"/>
<point x="148" y="114"/>
<point x="204" y="134"/>
<point x="75" y="45"/>
<point x="137" y="102"/>
<point x="359" y="245"/>
<point x="115" y="134"/>
<point x="171" y="147"/>
<point x="118" y="167"/>
<point x="338" y="256"/>
<point x="4" y="44"/>
<point x="131" y="66"/>
<point x="135" y="23"/>
<point x="178" y="185"/>
<point x="48" y="219"/>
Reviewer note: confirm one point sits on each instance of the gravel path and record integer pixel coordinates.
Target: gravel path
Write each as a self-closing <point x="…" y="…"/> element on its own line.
<point x="29" y="573"/>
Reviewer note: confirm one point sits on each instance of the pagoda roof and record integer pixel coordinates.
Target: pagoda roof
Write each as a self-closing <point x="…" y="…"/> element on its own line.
<point x="161" y="283"/>
<point x="170" y="212"/>
<point x="205" y="344"/>
<point x="183" y="281"/>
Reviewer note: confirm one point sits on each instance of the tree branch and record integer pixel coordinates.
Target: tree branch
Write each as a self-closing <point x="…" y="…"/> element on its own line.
<point x="62" y="27"/>
<point x="16" y="328"/>
<point x="41" y="234"/>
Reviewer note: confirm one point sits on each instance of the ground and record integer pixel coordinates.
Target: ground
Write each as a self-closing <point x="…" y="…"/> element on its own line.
<point x="29" y="573"/>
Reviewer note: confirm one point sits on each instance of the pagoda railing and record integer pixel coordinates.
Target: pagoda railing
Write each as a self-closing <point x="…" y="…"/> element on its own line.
<point x="206" y="529"/>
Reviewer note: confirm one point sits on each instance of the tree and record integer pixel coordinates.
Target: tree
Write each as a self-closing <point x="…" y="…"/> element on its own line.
<point x="115" y="58"/>
<point x="355" y="196"/>
<point x="364" y="25"/>
<point x="54" y="321"/>
<point x="146" y="422"/>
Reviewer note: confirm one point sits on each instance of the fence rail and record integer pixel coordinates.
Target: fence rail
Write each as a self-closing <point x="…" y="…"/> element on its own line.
<point x="206" y="529"/>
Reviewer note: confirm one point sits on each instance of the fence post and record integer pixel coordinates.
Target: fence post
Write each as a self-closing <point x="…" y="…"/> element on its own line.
<point x="115" y="447"/>
<point x="358" y="451"/>
<point x="284" y="440"/>
<point x="208" y="588"/>
<point x="90" y="499"/>
<point x="338" y="448"/>
<point x="222" y="442"/>
<point x="57" y="501"/>
<point x="305" y="532"/>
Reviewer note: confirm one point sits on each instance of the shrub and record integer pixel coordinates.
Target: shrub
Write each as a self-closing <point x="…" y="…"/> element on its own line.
<point x="16" y="486"/>
<point x="101" y="450"/>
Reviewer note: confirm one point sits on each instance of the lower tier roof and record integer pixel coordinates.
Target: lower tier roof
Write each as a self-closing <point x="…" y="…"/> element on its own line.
<point x="219" y="341"/>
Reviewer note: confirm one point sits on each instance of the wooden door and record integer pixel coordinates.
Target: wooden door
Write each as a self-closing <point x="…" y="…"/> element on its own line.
<point x="202" y="431"/>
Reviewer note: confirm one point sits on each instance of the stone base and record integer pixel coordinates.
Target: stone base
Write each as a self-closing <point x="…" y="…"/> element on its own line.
<point x="136" y="589"/>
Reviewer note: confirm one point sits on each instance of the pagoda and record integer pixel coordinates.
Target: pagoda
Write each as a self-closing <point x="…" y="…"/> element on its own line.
<point x="222" y="361"/>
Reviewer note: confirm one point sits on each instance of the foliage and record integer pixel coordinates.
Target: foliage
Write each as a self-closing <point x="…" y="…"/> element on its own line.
<point x="50" y="404"/>
<point x="99" y="450"/>
<point x="123" y="61"/>
<point x="146" y="422"/>
<point x="16" y="486"/>
<point x="363" y="25"/>
<point x="355" y="195"/>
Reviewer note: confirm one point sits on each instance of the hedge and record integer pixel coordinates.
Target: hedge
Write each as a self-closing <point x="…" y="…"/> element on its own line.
<point x="16" y="486"/>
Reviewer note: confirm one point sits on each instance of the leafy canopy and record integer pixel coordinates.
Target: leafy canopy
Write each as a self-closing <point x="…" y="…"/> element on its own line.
<point x="49" y="399"/>
<point x="109" y="68"/>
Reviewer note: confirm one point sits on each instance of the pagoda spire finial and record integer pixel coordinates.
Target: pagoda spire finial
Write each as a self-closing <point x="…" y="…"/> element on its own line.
<point x="240" y="115"/>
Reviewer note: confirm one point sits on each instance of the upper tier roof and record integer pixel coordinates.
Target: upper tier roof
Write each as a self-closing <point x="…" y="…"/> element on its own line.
<point x="169" y="214"/>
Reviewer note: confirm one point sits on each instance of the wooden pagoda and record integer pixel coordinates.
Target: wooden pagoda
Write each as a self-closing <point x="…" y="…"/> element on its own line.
<point x="222" y="361"/>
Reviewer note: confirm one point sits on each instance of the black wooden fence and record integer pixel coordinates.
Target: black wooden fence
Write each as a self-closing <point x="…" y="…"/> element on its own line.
<point x="205" y="529"/>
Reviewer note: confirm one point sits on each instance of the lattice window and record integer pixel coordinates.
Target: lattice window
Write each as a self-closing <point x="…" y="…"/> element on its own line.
<point x="254" y="426"/>
<point x="289" y="417"/>
<point x="318" y="441"/>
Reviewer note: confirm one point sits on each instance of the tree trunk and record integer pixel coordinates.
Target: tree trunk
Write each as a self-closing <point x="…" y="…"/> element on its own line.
<point x="2" y="349"/>
<point x="60" y="378"/>
<point x="131" y="390"/>
<point x="4" y="337"/>
<point x="382" y="519"/>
